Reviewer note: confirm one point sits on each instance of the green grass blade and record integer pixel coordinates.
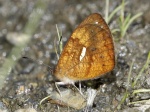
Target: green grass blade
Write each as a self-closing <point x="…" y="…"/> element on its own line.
<point x="114" y="12"/>
<point x="130" y="21"/>
<point x="142" y="70"/>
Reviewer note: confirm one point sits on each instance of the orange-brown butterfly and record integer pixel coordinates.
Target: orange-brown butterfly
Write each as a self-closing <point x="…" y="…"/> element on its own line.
<point x="89" y="52"/>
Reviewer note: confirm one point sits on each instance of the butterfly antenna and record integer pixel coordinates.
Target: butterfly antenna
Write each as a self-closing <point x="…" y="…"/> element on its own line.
<point x="40" y="63"/>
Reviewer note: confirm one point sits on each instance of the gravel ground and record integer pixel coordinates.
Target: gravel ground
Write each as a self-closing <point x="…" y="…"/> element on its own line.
<point x="28" y="82"/>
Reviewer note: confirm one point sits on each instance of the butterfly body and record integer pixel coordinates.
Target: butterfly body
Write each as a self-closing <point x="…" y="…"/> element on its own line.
<point x="89" y="52"/>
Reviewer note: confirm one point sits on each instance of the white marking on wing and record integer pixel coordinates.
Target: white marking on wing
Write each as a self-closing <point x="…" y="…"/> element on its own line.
<point x="96" y="22"/>
<point x="82" y="53"/>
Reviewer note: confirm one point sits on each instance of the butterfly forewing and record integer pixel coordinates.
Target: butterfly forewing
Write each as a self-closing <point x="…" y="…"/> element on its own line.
<point x="92" y="35"/>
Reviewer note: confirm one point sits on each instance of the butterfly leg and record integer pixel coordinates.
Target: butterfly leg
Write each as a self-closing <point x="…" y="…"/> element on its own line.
<point x="79" y="89"/>
<point x="62" y="83"/>
<point x="56" y="85"/>
<point x="80" y="86"/>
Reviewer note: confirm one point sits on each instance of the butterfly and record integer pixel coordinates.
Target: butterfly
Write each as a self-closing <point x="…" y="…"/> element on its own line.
<point x="89" y="52"/>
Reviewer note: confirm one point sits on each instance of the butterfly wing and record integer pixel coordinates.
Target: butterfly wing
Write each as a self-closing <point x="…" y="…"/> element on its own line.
<point x="92" y="37"/>
<point x="96" y="19"/>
